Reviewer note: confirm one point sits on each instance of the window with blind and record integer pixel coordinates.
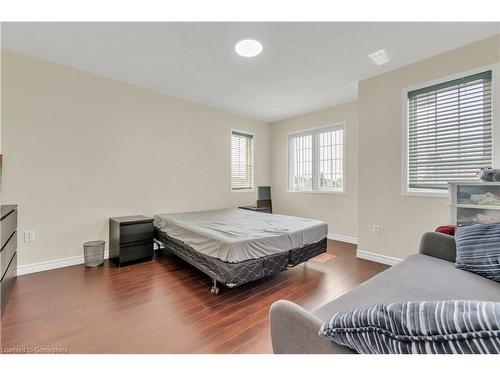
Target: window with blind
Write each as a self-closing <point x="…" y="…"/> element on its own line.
<point x="449" y="132"/>
<point x="316" y="160"/>
<point x="241" y="161"/>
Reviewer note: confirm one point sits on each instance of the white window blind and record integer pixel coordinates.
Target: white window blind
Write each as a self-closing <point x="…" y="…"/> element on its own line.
<point x="449" y="132"/>
<point x="241" y="161"/>
<point x="302" y="170"/>
<point x="316" y="160"/>
<point x="331" y="159"/>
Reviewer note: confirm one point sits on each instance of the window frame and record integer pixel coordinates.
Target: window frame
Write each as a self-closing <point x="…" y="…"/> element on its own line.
<point x="252" y="190"/>
<point x="437" y="193"/>
<point x="315" y="166"/>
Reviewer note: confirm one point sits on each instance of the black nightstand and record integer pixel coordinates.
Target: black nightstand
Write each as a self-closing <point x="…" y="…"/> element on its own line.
<point x="267" y="210"/>
<point x="130" y="239"/>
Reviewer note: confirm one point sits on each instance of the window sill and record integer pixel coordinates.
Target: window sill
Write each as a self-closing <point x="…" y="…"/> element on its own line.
<point x="334" y="192"/>
<point x="425" y="193"/>
<point x="242" y="190"/>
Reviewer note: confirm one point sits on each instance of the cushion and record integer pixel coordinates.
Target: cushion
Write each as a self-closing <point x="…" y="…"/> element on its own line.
<point x="437" y="327"/>
<point x="478" y="249"/>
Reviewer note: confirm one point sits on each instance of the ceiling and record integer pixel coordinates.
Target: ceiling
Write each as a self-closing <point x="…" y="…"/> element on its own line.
<point x="304" y="66"/>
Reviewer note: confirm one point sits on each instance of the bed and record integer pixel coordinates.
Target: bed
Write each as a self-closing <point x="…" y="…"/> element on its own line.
<point x="235" y="246"/>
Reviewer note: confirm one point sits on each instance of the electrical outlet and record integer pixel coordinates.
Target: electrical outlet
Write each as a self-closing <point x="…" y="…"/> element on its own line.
<point x="376" y="230"/>
<point x="29" y="236"/>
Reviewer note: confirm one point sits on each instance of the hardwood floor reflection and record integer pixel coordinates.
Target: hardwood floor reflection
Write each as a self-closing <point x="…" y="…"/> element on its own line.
<point x="165" y="306"/>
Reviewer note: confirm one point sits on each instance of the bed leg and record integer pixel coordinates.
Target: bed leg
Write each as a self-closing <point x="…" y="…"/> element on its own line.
<point x="215" y="289"/>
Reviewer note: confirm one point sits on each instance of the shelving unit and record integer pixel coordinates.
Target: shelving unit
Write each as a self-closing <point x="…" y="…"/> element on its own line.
<point x="474" y="202"/>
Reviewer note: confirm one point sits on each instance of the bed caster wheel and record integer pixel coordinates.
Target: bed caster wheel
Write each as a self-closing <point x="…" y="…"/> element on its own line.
<point x="214" y="290"/>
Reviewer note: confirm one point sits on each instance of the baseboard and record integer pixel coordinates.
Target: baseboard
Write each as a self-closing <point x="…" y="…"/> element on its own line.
<point x="73" y="261"/>
<point x="341" y="238"/>
<point x="379" y="258"/>
<point x="52" y="264"/>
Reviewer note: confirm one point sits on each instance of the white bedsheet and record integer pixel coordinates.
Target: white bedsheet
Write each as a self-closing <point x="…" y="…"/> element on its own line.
<point x="234" y="235"/>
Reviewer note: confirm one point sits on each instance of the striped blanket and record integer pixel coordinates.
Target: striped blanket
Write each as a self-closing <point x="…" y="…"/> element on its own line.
<point x="438" y="327"/>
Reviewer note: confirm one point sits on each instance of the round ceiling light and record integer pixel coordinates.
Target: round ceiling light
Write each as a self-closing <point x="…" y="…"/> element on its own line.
<point x="248" y="48"/>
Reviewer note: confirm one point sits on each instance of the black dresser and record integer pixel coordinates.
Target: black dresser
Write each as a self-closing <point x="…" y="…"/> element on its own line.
<point x="8" y="253"/>
<point x="130" y="239"/>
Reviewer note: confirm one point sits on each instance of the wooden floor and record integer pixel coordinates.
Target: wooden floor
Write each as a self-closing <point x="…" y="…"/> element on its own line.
<point x="164" y="306"/>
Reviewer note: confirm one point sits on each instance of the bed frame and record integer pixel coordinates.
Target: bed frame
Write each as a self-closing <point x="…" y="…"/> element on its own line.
<point x="236" y="274"/>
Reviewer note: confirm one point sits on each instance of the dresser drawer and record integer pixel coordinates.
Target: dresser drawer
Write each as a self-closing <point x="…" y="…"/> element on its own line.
<point x="136" y="232"/>
<point x="7" y="282"/>
<point x="7" y="253"/>
<point x="130" y="238"/>
<point x="137" y="251"/>
<point x="8" y="226"/>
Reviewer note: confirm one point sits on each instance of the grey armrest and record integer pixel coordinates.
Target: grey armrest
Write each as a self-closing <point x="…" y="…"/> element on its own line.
<point x="438" y="245"/>
<point x="295" y="331"/>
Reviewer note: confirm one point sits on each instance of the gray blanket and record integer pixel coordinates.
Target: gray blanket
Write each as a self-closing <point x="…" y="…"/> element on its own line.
<point x="235" y="235"/>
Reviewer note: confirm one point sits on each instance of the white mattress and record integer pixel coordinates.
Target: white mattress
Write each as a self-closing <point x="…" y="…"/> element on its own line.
<point x="235" y="235"/>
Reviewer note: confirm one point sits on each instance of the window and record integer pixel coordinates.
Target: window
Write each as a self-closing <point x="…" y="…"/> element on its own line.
<point x="449" y="132"/>
<point x="241" y="161"/>
<point x="317" y="160"/>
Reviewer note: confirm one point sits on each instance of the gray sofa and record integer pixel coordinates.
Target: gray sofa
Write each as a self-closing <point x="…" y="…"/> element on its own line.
<point x="429" y="275"/>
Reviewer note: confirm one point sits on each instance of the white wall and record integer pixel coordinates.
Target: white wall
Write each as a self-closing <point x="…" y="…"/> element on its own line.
<point x="79" y="148"/>
<point x="374" y="158"/>
<point x="338" y="210"/>
<point x="403" y="219"/>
